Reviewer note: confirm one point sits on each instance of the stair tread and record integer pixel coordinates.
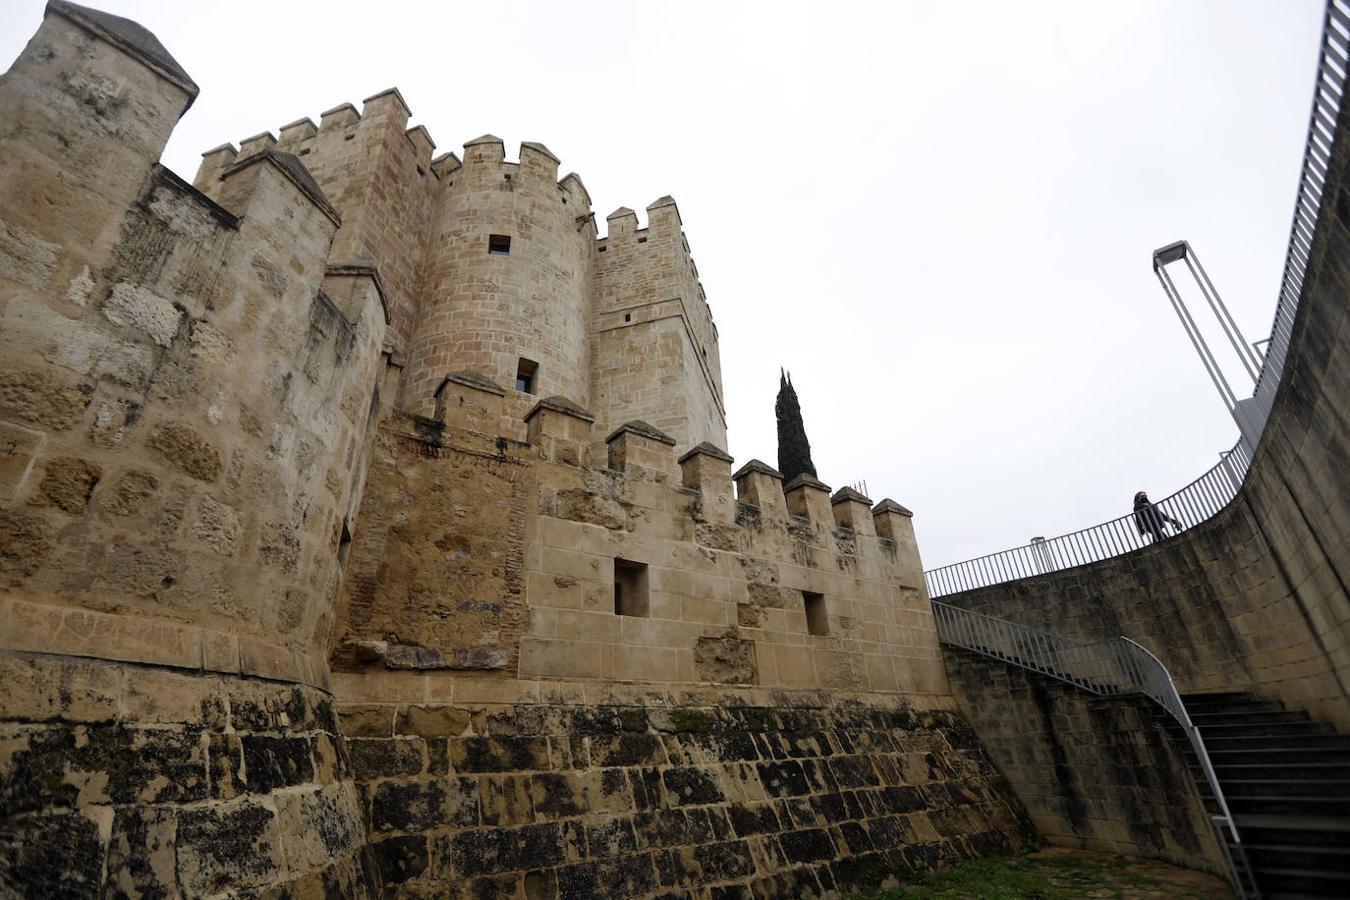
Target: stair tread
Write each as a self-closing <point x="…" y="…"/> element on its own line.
<point x="1329" y="874"/>
<point x="1227" y="782"/>
<point x="1272" y="750"/>
<point x="1301" y="766"/>
<point x="1337" y="852"/>
<point x="1292" y="822"/>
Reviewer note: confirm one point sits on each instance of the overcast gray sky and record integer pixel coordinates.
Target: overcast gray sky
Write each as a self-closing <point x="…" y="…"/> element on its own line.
<point x="938" y="216"/>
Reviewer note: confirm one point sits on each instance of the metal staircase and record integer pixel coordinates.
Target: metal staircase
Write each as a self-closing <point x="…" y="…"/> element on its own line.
<point x="1286" y="779"/>
<point x="1107" y="668"/>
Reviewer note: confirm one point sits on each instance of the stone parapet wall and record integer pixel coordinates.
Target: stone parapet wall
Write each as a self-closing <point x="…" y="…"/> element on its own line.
<point x="1099" y="773"/>
<point x="475" y="552"/>
<point x="695" y="800"/>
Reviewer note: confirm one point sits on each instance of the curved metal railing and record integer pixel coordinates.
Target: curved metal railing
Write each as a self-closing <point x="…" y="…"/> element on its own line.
<point x="1188" y="507"/>
<point x="1332" y="68"/>
<point x="1107" y="668"/>
<point x="1215" y="489"/>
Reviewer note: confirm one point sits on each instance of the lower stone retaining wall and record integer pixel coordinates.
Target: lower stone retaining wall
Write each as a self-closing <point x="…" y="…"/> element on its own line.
<point x="132" y="781"/>
<point x="707" y="802"/>
<point x="1098" y="773"/>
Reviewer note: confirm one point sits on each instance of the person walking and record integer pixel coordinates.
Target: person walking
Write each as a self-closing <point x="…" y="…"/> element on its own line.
<point x="1151" y="520"/>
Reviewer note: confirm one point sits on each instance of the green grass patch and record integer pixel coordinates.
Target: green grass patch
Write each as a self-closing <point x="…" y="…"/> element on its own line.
<point x="1051" y="876"/>
<point x="979" y="879"/>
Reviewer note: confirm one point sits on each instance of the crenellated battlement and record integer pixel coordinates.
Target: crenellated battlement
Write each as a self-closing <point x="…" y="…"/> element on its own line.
<point x="424" y="222"/>
<point x="809" y="590"/>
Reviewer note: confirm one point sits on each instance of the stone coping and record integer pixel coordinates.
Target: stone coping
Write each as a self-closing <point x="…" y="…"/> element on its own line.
<point x="132" y="38"/>
<point x="641" y="429"/>
<point x="30" y="627"/>
<point x="539" y="148"/>
<point x="574" y="178"/>
<point x="475" y="380"/>
<point x="337" y="109"/>
<point x="485" y="139"/>
<point x="303" y="120"/>
<point x="805" y="480"/>
<point x="366" y="269"/>
<point x="426" y="136"/>
<point x="706" y="449"/>
<point x="562" y="405"/>
<point x="397" y="95"/>
<point x="890" y="506"/>
<point x="759" y="466"/>
<point x="294" y="170"/>
<point x="845" y="494"/>
<point x="223" y="215"/>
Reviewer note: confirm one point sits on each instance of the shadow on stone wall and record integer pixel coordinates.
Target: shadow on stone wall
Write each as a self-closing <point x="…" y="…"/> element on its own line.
<point x="1099" y="773"/>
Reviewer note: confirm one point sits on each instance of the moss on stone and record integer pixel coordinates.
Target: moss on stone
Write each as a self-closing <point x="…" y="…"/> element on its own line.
<point x="690" y="722"/>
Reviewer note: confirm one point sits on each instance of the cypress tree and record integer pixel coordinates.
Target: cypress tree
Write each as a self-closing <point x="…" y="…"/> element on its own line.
<point x="794" y="450"/>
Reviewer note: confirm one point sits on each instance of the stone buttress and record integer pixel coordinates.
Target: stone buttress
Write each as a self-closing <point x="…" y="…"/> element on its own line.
<point x="185" y="403"/>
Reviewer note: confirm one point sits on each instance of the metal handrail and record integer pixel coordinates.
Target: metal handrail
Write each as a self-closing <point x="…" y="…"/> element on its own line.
<point x="1332" y="67"/>
<point x="1107" y="668"/>
<point x="1197" y="501"/>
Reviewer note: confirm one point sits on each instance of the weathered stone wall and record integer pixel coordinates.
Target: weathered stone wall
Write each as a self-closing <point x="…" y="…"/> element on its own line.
<point x="474" y="552"/>
<point x="670" y="798"/>
<point x="620" y="324"/>
<point x="654" y="351"/>
<point x="377" y="173"/>
<point x="1099" y="773"/>
<point x="186" y="404"/>
<point x="185" y="395"/>
<point x="485" y="312"/>
<point x="123" y="781"/>
<point x="436" y="576"/>
<point x="1255" y="597"/>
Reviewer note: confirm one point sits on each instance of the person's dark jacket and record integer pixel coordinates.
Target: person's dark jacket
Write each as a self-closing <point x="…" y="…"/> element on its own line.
<point x="1151" y="520"/>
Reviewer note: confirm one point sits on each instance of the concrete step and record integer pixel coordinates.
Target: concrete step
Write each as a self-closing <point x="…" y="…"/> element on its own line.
<point x="1313" y="882"/>
<point x="1334" y="807"/>
<point x="1298" y="856"/>
<point x="1290" y="788"/>
<point x="1294" y="729"/>
<point x="1300" y="830"/>
<point x="1278" y="742"/>
<point x="1242" y="704"/>
<point x="1337" y="767"/>
<point x="1241" y="717"/>
<point x="1221" y="698"/>
<point x="1281" y="757"/>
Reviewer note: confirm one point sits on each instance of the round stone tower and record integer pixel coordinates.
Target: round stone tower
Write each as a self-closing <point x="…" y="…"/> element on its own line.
<point x="506" y="278"/>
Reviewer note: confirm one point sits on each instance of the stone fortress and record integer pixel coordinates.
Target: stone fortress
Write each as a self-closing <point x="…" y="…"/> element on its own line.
<point x="366" y="530"/>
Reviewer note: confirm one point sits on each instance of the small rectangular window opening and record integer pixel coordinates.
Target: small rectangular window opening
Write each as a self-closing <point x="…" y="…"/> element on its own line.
<point x="630" y="589"/>
<point x="525" y="372"/>
<point x="817" y="620"/>
<point x="642" y="240"/>
<point x="499" y="244"/>
<point x="628" y="317"/>
<point x="603" y="249"/>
